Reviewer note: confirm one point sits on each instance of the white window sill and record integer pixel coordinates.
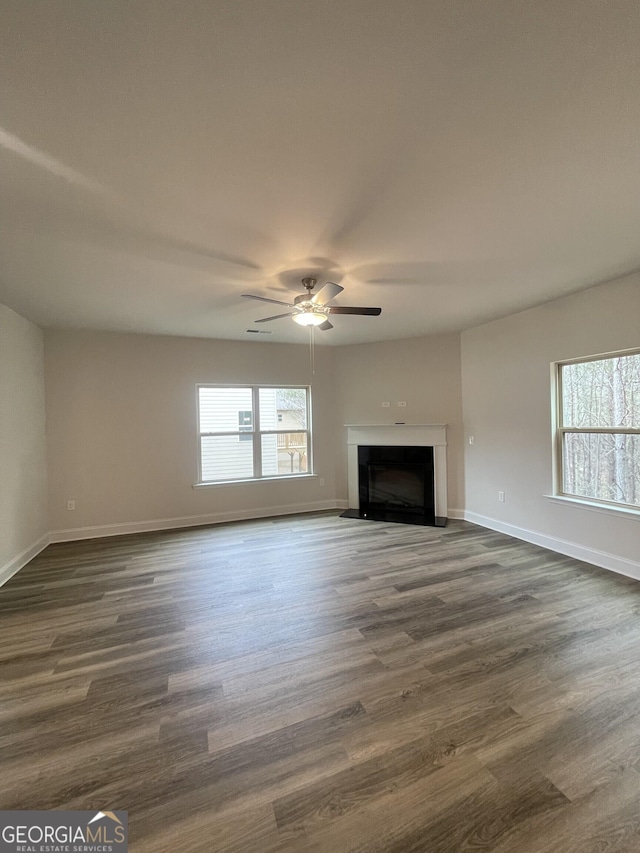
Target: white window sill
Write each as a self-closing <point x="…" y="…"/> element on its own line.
<point x="254" y="480"/>
<point x="594" y="506"/>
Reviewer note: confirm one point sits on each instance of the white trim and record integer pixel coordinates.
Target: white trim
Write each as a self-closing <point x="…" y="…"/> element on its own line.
<point x="559" y="430"/>
<point x="20" y="560"/>
<point x="77" y="533"/>
<point x="207" y="485"/>
<point x="391" y="426"/>
<point x="600" y="356"/>
<point x="604" y="560"/>
<point x="609" y="509"/>
<point x="255" y="431"/>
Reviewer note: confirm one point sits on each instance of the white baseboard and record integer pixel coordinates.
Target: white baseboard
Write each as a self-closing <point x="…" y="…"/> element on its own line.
<point x="9" y="569"/>
<point x="77" y="533"/>
<point x="604" y="560"/>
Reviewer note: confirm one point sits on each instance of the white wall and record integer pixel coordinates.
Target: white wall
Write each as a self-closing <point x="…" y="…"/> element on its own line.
<point x="122" y="428"/>
<point x="424" y="373"/>
<point x="23" y="466"/>
<point x="122" y="433"/>
<point x="507" y="408"/>
<point x="122" y="420"/>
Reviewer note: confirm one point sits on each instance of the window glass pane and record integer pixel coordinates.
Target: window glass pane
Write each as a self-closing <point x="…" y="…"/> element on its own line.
<point x="245" y="424"/>
<point x="603" y="393"/>
<point x="283" y="408"/>
<point x="220" y="408"/>
<point x="602" y="466"/>
<point x="225" y="457"/>
<point x="284" y="454"/>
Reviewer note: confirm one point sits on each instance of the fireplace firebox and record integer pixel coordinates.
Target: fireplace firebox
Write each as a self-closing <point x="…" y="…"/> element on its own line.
<point x="396" y="484"/>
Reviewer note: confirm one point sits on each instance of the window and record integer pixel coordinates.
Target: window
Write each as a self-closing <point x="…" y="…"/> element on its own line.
<point x="598" y="429"/>
<point x="252" y="432"/>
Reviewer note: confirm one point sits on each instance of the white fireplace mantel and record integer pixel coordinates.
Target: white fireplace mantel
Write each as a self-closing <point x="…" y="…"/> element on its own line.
<point x="399" y="435"/>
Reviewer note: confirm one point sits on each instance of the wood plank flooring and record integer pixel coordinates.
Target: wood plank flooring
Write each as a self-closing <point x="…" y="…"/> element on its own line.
<point x="315" y="684"/>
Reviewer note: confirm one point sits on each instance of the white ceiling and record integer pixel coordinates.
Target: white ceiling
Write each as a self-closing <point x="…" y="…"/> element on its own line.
<point x="450" y="161"/>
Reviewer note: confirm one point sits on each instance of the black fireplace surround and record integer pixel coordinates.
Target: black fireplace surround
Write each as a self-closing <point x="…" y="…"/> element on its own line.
<point x="396" y="484"/>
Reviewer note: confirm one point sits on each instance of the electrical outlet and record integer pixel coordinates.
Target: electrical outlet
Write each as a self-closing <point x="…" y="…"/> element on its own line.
<point x="402" y="405"/>
<point x="472" y="439"/>
<point x="322" y="481"/>
<point x="71" y="504"/>
<point x="501" y="497"/>
<point x="386" y="405"/>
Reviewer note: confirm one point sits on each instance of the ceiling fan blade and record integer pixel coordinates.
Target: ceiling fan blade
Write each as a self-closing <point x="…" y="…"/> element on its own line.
<point x="264" y="299"/>
<point x="275" y="317"/>
<point x="327" y="293"/>
<point x="346" y="309"/>
<point x="325" y="326"/>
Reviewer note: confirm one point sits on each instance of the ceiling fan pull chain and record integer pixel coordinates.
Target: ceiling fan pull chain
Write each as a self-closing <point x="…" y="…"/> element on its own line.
<point x="312" y="351"/>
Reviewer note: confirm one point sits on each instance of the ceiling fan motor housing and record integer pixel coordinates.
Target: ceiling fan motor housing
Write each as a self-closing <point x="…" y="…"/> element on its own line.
<point x="309" y="284"/>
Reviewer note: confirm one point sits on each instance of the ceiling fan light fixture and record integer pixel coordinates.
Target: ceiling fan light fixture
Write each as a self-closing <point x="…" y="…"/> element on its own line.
<point x="309" y="318"/>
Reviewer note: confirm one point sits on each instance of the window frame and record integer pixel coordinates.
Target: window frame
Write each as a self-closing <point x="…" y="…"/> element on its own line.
<point x="256" y="434"/>
<point x="560" y="430"/>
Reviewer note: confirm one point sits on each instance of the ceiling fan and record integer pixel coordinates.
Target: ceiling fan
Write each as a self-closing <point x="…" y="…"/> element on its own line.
<point x="313" y="309"/>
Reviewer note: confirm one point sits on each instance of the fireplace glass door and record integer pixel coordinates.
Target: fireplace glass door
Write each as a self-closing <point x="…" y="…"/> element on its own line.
<point x="397" y="483"/>
<point x="398" y="487"/>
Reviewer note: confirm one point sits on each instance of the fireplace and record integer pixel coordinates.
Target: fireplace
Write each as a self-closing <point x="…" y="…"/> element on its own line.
<point x="396" y="484"/>
<point x="397" y="472"/>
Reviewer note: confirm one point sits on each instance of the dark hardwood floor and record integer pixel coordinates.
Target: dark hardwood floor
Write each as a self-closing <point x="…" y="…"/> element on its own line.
<point x="316" y="684"/>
